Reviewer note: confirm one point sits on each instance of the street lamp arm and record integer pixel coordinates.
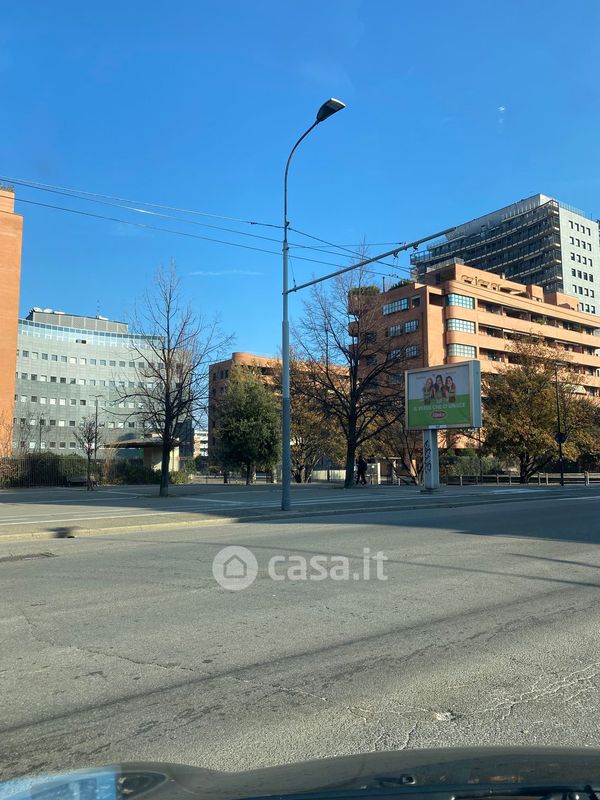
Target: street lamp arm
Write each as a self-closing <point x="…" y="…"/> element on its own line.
<point x="287" y="168"/>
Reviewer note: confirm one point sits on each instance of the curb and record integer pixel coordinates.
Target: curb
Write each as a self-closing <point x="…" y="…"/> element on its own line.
<point x="289" y="515"/>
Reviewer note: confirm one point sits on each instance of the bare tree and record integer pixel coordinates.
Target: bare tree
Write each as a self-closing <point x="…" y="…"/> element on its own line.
<point x="176" y="350"/>
<point x="352" y="364"/>
<point x="30" y="429"/>
<point x="88" y="437"/>
<point x="403" y="449"/>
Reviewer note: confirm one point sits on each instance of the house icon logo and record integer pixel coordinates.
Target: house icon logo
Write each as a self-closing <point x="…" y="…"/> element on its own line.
<point x="235" y="568"/>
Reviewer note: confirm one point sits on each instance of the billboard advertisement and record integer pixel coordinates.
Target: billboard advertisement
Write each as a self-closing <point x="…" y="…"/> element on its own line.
<point x="448" y="396"/>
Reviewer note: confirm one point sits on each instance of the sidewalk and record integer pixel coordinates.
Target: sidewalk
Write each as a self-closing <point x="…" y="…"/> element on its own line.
<point x="64" y="513"/>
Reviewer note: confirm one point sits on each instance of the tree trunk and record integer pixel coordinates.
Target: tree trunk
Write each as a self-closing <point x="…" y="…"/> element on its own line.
<point x="164" y="471"/>
<point x="225" y="476"/>
<point x="90" y="487"/>
<point x="248" y="473"/>
<point x="350" y="459"/>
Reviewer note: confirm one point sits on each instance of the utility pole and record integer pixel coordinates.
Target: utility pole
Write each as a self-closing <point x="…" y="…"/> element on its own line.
<point x="561" y="436"/>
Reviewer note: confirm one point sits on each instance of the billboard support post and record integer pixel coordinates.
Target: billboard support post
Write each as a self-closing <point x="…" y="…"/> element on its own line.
<point x="431" y="461"/>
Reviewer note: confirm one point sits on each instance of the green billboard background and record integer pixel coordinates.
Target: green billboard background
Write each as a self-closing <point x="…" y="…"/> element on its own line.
<point x="446" y="396"/>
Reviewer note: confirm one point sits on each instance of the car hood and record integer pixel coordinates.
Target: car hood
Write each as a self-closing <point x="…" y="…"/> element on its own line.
<point x="476" y="771"/>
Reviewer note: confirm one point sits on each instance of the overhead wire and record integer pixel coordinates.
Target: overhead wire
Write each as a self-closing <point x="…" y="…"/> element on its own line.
<point x="61" y="189"/>
<point x="67" y="193"/>
<point x="169" y="230"/>
<point x="107" y="200"/>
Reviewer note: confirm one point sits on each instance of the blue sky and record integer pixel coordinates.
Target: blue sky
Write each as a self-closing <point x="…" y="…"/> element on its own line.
<point x="454" y="109"/>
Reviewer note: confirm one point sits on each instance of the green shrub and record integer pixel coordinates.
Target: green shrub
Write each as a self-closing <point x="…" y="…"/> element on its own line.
<point x="124" y="472"/>
<point x="187" y="465"/>
<point x="179" y="477"/>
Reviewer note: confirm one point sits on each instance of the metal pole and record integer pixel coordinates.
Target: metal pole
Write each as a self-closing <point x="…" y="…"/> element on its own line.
<point x="559" y="432"/>
<point x="286" y="423"/>
<point x="96" y="438"/>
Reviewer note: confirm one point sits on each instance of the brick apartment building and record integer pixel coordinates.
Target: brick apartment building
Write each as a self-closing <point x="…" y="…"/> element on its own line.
<point x="11" y="236"/>
<point x="220" y="373"/>
<point x="455" y="313"/>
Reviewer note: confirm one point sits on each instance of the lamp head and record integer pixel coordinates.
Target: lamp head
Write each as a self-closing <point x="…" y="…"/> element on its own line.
<point x="329" y="107"/>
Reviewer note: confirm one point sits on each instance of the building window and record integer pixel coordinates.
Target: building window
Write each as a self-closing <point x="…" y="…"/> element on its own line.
<point x="52" y="401"/>
<point x="92" y="362"/>
<point x="25" y="353"/>
<point x="132" y="365"/>
<point x="397" y="305"/>
<point x="574" y="273"/>
<point x="416" y="301"/>
<point x="62" y="401"/>
<point x="71" y="423"/>
<point x="72" y="360"/>
<point x="460" y="300"/>
<point x="44" y="356"/>
<point x="43" y="400"/>
<point x="62" y="445"/>
<point x="33" y="398"/>
<point x="72" y="402"/>
<point x="412" y="351"/>
<point x="111" y="424"/>
<point x="61" y="423"/>
<point x="72" y="445"/>
<point x="411" y="326"/>
<point x="121" y="363"/>
<point x="112" y="363"/>
<point x="23" y="376"/>
<point x="81" y="381"/>
<point x="63" y="359"/>
<point x="52" y="378"/>
<point x="394" y="330"/>
<point x="466" y="350"/>
<point x="572" y="256"/>
<point x="372" y="359"/>
<point x="131" y="424"/>
<point x="82" y="402"/>
<point x="460" y="325"/>
<point x="102" y="362"/>
<point x="63" y="380"/>
<point x="33" y="377"/>
<point x="396" y="379"/>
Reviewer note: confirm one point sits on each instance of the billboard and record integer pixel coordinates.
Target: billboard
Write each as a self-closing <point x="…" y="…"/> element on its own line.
<point x="447" y="396"/>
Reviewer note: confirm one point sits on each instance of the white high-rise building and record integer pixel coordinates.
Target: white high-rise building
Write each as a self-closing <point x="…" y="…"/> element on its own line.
<point x="538" y="241"/>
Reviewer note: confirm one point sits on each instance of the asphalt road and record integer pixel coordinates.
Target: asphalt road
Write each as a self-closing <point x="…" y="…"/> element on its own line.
<point x="124" y="647"/>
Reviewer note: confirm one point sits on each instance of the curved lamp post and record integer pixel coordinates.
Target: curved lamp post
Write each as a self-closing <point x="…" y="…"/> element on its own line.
<point x="330" y="107"/>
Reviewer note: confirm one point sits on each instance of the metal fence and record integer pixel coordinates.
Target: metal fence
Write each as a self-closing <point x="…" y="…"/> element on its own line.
<point x="539" y="479"/>
<point x="39" y="470"/>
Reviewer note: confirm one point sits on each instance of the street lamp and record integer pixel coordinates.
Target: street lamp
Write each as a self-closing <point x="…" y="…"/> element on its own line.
<point x="561" y="436"/>
<point x="330" y="107"/>
<point x="96" y="396"/>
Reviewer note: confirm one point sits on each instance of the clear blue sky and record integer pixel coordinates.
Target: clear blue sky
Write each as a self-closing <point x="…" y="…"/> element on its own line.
<point x="454" y="109"/>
